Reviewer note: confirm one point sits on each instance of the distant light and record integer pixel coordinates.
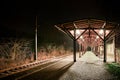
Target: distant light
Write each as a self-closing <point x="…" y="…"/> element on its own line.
<point x="97" y="37"/>
<point x="81" y="37"/>
<point x="101" y="31"/>
<point x="78" y="32"/>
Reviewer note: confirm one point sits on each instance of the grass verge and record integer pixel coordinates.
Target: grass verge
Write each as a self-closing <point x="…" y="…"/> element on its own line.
<point x="114" y="68"/>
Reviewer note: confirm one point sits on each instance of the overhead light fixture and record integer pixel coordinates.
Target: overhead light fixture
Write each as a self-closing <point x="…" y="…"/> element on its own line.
<point x="78" y="32"/>
<point x="97" y="37"/>
<point x="81" y="37"/>
<point x="107" y="32"/>
<point x="101" y="31"/>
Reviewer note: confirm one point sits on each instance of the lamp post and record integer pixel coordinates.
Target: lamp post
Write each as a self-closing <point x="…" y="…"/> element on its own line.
<point x="35" y="57"/>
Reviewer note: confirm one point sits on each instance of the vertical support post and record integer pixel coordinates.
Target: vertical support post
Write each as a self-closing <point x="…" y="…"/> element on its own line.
<point x="35" y="57"/>
<point x="114" y="49"/>
<point x="74" y="45"/>
<point x="104" y="45"/>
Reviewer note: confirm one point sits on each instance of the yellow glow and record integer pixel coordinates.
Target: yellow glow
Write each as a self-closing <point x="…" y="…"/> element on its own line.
<point x="81" y="37"/>
<point x="101" y="31"/>
<point x="78" y="32"/>
<point x="97" y="37"/>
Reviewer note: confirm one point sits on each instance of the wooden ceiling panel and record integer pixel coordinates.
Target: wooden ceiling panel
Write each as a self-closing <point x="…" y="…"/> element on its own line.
<point x="89" y="37"/>
<point x="86" y="23"/>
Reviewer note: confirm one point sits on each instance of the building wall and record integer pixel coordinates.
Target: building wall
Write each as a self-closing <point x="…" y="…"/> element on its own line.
<point x="110" y="52"/>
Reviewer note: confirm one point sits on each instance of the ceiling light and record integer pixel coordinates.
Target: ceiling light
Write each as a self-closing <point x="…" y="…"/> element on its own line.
<point x="97" y="37"/>
<point x="81" y="37"/>
<point x="78" y="32"/>
<point x="101" y="31"/>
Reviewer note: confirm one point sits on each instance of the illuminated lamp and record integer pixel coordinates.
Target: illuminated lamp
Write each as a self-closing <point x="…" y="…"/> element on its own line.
<point x="81" y="37"/>
<point x="101" y="31"/>
<point x="78" y="32"/>
<point x="97" y="37"/>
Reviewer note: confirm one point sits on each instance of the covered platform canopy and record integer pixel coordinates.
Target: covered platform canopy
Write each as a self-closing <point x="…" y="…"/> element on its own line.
<point x="90" y="32"/>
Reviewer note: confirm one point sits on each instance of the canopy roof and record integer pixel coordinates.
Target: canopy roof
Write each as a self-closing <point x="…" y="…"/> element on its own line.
<point x="89" y="29"/>
<point x="88" y="23"/>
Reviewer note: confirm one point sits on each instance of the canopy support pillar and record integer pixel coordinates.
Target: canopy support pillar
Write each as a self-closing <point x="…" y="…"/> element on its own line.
<point x="74" y="46"/>
<point x="115" y="56"/>
<point x="104" y="45"/>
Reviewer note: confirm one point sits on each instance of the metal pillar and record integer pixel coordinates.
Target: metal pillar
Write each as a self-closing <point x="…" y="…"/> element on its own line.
<point x="115" y="56"/>
<point x="35" y="56"/>
<point x="104" y="45"/>
<point x="74" y="46"/>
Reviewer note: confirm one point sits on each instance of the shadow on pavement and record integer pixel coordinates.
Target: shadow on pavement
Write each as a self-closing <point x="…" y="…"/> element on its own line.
<point x="57" y="74"/>
<point x="49" y="73"/>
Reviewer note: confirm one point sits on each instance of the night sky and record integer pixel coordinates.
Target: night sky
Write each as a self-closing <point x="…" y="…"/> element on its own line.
<point x="18" y="17"/>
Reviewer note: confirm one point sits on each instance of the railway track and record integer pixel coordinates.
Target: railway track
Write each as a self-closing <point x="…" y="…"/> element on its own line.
<point x="27" y="68"/>
<point x="50" y="72"/>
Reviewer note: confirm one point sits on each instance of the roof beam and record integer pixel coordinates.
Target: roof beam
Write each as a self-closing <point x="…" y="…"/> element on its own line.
<point x="59" y="29"/>
<point x="98" y="34"/>
<point x="69" y="34"/>
<point x="81" y="34"/>
<point x="75" y="25"/>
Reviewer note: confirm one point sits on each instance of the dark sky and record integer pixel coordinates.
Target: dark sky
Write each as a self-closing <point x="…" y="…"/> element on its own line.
<point x="20" y="15"/>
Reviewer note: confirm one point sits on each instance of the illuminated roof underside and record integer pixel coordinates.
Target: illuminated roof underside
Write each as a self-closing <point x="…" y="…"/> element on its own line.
<point x="91" y="29"/>
<point x="86" y="23"/>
